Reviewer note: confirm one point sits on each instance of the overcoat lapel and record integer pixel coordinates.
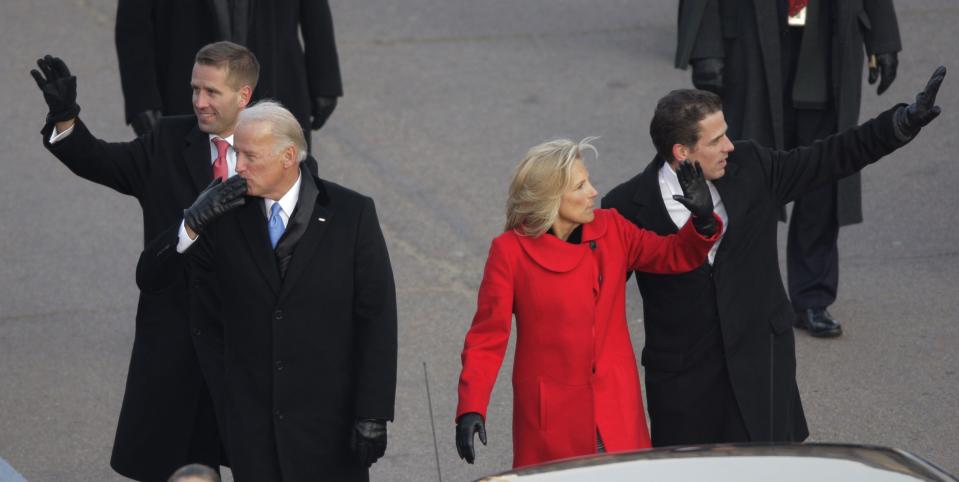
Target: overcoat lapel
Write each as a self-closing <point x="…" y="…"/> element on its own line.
<point x="319" y="218"/>
<point x="735" y="203"/>
<point x="253" y="225"/>
<point x="196" y="155"/>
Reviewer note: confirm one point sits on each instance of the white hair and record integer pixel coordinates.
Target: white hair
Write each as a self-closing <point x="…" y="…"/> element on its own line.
<point x="283" y="125"/>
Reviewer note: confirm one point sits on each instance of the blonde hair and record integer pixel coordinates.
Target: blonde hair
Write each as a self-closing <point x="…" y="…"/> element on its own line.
<point x="539" y="182"/>
<point x="285" y="128"/>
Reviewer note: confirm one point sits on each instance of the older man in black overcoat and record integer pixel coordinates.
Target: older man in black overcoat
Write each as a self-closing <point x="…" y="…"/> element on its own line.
<point x="720" y="353"/>
<point x="307" y="305"/>
<point x="786" y="82"/>
<point x="167" y="418"/>
<point x="156" y="40"/>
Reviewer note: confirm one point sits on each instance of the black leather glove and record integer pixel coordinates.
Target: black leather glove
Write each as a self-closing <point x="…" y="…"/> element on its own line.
<point x="322" y="108"/>
<point x="708" y="74"/>
<point x="144" y="121"/>
<point x="467" y="426"/>
<point x="696" y="197"/>
<point x="59" y="88"/>
<point x="909" y="119"/>
<point x="368" y="441"/>
<point x="886" y="66"/>
<point x="218" y="198"/>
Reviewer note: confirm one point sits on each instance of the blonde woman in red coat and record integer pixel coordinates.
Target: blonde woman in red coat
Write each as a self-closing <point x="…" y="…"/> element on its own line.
<point x="560" y="267"/>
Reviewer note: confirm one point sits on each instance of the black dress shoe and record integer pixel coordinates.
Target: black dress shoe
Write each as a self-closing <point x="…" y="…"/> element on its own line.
<point x="818" y="322"/>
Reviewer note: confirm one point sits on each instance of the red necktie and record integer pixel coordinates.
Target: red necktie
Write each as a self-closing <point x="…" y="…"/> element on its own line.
<point x="795" y="6"/>
<point x="220" y="168"/>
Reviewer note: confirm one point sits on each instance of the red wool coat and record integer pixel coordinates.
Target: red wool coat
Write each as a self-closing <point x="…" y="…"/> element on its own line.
<point x="575" y="370"/>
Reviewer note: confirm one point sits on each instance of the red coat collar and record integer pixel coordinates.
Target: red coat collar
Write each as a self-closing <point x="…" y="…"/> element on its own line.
<point x="557" y="255"/>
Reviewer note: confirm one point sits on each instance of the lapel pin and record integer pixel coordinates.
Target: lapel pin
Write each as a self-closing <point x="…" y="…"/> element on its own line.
<point x="323" y="220"/>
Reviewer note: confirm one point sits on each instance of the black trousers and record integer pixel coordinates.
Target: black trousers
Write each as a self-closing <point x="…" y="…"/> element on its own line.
<point x="812" y="253"/>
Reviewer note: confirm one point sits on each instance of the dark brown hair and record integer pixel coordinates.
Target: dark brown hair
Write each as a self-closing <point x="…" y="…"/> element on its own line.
<point x="677" y="117"/>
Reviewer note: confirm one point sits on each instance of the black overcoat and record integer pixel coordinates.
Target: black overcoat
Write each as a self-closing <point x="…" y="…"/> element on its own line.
<point x="755" y="316"/>
<point x="165" y="404"/>
<point x="157" y="41"/>
<point x="746" y="34"/>
<point x="306" y="352"/>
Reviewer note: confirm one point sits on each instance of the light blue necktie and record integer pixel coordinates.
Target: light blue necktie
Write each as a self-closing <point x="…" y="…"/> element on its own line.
<point x="276" y="224"/>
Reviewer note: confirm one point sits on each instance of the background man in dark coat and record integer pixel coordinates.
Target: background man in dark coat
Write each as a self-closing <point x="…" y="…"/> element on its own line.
<point x="307" y="305"/>
<point x="167" y="419"/>
<point x="157" y="38"/>
<point x="720" y="354"/>
<point x="785" y="85"/>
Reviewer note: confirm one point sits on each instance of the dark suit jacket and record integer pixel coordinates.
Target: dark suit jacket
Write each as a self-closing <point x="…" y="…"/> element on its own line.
<point x="306" y="351"/>
<point x="746" y="34"/>
<point x="164" y="171"/>
<point x="754" y="313"/>
<point x="157" y="41"/>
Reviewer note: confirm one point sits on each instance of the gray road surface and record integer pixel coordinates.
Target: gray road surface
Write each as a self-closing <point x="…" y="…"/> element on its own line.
<point x="442" y="99"/>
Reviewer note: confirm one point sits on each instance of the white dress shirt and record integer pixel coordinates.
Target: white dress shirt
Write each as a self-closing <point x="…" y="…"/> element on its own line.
<point x="669" y="186"/>
<point x="287" y="204"/>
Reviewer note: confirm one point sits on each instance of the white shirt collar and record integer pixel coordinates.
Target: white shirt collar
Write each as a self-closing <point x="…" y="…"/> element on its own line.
<point x="288" y="201"/>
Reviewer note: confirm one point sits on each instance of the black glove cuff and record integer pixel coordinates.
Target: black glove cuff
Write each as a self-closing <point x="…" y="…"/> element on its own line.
<point x="63" y="115"/>
<point x="705" y="225"/>
<point x="191" y="221"/>
<point x="900" y="124"/>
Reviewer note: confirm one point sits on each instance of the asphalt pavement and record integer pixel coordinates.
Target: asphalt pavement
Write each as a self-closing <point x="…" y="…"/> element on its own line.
<point x="442" y="98"/>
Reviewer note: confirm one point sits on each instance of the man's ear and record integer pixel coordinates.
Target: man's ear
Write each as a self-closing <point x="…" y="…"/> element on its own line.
<point x="246" y="93"/>
<point x="680" y="152"/>
<point x="289" y="156"/>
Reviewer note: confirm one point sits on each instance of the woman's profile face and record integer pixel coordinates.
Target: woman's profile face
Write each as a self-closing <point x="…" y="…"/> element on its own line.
<point x="576" y="205"/>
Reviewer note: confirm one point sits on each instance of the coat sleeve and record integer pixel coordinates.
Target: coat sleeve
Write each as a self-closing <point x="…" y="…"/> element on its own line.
<point x="699" y="31"/>
<point x="882" y="34"/>
<point x="322" y="61"/>
<point x="374" y="318"/>
<point x="649" y="252"/>
<point x="135" y="41"/>
<point x="486" y="341"/>
<point x="797" y="171"/>
<point x="160" y="267"/>
<point x="121" y="166"/>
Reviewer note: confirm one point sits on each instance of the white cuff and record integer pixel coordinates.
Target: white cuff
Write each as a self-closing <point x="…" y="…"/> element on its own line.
<point x="183" y="239"/>
<point x="58" y="136"/>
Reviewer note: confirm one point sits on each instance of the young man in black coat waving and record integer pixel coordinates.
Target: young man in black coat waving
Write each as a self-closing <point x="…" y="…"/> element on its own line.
<point x="720" y="354"/>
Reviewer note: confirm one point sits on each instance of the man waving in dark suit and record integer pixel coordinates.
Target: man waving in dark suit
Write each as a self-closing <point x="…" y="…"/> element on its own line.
<point x="307" y="302"/>
<point x="720" y="354"/>
<point x="166" y="420"/>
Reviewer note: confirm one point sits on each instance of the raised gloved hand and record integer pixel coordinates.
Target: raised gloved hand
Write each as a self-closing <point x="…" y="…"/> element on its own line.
<point x="696" y="197"/>
<point x="59" y="88"/>
<point x="322" y="107"/>
<point x="144" y="121"/>
<point x="909" y="119"/>
<point x="218" y="198"/>
<point x="468" y="425"/>
<point x="368" y="440"/>
<point x="708" y="74"/>
<point x="886" y="66"/>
